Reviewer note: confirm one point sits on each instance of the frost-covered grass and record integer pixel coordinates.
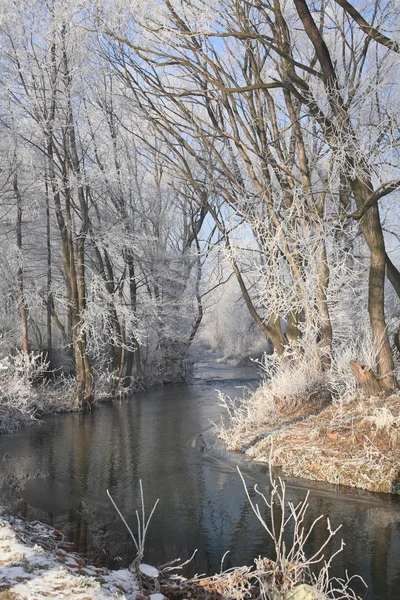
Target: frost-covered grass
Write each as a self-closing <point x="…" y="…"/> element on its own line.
<point x="291" y="384"/>
<point x="26" y="394"/>
<point x="342" y="445"/>
<point x="320" y="425"/>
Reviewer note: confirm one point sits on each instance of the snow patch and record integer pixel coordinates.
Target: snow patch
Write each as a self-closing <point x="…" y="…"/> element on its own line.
<point x="149" y="571"/>
<point x="30" y="571"/>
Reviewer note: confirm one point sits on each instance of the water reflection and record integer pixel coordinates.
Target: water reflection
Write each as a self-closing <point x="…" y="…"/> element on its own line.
<point x="59" y="473"/>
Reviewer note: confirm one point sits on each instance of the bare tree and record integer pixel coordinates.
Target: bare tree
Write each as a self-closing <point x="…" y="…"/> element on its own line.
<point x="284" y="151"/>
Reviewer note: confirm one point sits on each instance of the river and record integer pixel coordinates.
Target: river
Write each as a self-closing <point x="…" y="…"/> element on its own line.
<point x="58" y="472"/>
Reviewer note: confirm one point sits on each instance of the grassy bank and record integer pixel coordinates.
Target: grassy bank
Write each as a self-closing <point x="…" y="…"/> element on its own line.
<point x="310" y="428"/>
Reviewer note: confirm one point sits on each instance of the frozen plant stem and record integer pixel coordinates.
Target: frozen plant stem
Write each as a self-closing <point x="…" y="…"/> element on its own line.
<point x="292" y="566"/>
<point x="142" y="521"/>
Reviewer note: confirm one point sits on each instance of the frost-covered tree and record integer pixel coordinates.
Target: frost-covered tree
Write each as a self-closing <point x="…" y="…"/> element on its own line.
<point x="138" y="136"/>
<point x="106" y="256"/>
<point x="289" y="118"/>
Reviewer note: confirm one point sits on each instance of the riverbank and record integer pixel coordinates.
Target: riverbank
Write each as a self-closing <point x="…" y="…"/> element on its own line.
<point x="36" y="564"/>
<point x="26" y="403"/>
<point x="31" y="389"/>
<point x="29" y="404"/>
<point x="353" y="442"/>
<point x="65" y="466"/>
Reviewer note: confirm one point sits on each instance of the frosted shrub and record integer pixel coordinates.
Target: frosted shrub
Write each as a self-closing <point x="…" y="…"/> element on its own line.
<point x="17" y="394"/>
<point x="25" y="394"/>
<point x="19" y="371"/>
<point x="28" y="367"/>
<point x="289" y="381"/>
<point x="294" y="383"/>
<point x="342" y="382"/>
<point x="143" y="522"/>
<point x="293" y="373"/>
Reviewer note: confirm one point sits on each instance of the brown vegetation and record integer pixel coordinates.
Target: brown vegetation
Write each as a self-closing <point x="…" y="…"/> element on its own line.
<point x="356" y="443"/>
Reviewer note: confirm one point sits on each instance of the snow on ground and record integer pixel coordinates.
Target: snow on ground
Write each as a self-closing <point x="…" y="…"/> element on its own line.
<point x="149" y="571"/>
<point x="33" y="566"/>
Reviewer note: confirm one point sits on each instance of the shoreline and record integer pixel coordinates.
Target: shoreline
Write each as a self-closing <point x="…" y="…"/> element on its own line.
<point x="35" y="404"/>
<point x="354" y="444"/>
<point x="36" y="563"/>
<point x="199" y="440"/>
<point x="33" y="552"/>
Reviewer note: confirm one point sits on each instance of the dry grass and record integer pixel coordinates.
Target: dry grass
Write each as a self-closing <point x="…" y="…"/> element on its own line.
<point x="320" y="425"/>
<point x="354" y="443"/>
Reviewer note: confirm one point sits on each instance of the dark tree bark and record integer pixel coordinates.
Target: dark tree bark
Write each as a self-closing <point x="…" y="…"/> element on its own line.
<point x="20" y="274"/>
<point x="370" y="222"/>
<point x="49" y="296"/>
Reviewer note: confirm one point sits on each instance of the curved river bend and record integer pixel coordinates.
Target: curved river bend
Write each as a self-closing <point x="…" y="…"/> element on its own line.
<point x="58" y="472"/>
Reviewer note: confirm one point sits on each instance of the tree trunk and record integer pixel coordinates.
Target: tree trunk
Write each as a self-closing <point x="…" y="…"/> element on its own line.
<point x="323" y="308"/>
<point x="365" y="377"/>
<point x="293" y="332"/>
<point x="85" y="382"/>
<point x="20" y="274"/>
<point x="372" y="229"/>
<point x="88" y="396"/>
<point x="133" y="355"/>
<point x="200" y="309"/>
<point x="393" y="275"/>
<point x="49" y="297"/>
<point x="362" y="188"/>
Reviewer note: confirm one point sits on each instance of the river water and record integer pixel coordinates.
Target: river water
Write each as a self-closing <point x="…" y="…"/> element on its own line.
<point x="58" y="472"/>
